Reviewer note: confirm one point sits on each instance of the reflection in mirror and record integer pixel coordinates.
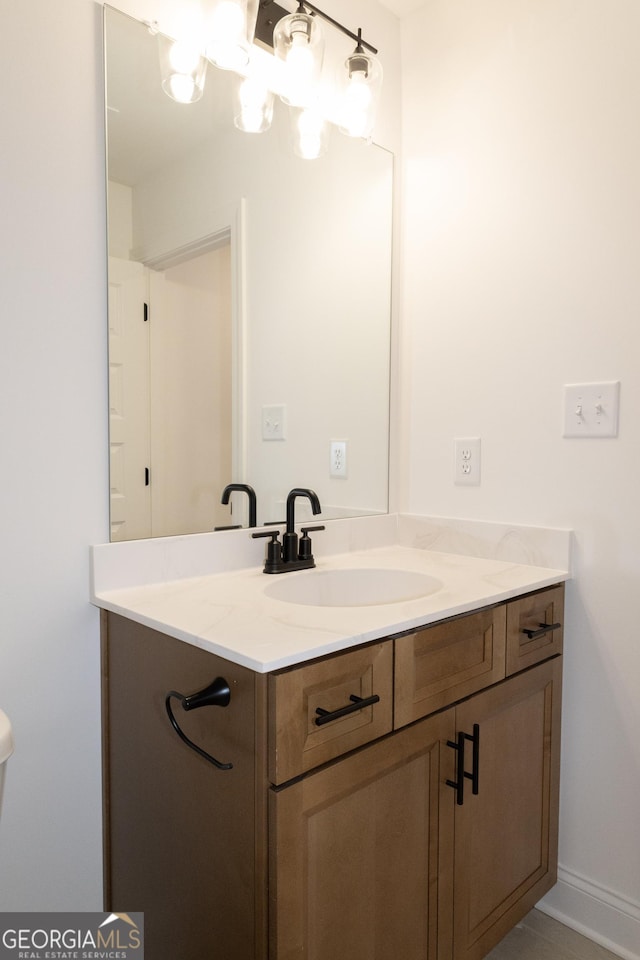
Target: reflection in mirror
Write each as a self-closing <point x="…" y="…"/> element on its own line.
<point x="249" y="308"/>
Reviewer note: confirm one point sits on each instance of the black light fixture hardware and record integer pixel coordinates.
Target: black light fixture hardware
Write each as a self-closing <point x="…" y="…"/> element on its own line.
<point x="270" y="12"/>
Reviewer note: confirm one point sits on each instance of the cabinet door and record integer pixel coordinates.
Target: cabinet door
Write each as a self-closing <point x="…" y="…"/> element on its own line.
<point x="361" y="853"/>
<point x="506" y="835"/>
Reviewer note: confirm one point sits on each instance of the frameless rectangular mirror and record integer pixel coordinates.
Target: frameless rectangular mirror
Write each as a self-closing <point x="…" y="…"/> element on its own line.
<point x="249" y="308"/>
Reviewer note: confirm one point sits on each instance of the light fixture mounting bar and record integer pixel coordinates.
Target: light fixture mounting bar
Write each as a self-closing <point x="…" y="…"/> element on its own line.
<point x="269" y="13"/>
<point x="325" y="16"/>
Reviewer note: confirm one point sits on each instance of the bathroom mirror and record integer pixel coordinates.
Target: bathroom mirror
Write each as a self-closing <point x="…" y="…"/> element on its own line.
<point x="249" y="307"/>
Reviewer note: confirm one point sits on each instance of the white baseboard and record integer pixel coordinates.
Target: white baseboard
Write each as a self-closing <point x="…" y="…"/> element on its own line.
<point x="599" y="914"/>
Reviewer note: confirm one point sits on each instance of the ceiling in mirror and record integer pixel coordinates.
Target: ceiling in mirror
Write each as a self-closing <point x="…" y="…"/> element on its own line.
<point x="266" y="333"/>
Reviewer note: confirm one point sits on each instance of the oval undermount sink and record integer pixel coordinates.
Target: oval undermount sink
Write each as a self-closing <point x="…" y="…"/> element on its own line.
<point x="353" y="588"/>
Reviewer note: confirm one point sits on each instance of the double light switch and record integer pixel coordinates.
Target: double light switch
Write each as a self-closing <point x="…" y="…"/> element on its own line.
<point x="591" y="409"/>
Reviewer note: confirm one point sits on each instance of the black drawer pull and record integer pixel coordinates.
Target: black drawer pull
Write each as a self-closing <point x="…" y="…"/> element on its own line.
<point x="357" y="703"/>
<point x="544" y="628"/>
<point x="217" y="694"/>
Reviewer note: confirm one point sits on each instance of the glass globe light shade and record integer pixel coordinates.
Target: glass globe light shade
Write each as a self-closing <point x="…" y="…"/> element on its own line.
<point x="229" y="33"/>
<point x="253" y="107"/>
<point x="361" y="94"/>
<point x="298" y="41"/>
<point x="310" y="131"/>
<point x="182" y="69"/>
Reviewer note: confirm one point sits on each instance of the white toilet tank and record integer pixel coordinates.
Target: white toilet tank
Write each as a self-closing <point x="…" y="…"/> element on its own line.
<point x="6" y="748"/>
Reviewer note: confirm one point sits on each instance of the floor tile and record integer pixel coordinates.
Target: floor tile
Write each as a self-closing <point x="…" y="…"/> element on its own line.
<point x="539" y="937"/>
<point x="578" y="947"/>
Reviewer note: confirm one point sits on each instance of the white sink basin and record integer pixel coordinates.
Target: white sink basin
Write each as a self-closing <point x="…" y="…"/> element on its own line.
<point x="352" y="588"/>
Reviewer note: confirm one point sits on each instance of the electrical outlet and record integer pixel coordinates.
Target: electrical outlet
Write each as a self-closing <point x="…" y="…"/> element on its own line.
<point x="338" y="459"/>
<point x="467" y="461"/>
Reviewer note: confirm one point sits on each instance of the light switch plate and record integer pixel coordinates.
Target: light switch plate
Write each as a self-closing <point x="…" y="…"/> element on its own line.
<point x="591" y="409"/>
<point x="273" y="422"/>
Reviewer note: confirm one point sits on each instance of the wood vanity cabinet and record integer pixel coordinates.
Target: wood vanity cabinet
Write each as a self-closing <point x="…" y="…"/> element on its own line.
<point x="344" y="837"/>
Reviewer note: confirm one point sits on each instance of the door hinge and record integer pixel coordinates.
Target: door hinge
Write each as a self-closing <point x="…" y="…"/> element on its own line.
<point x="147" y="476"/>
<point x="145" y="312"/>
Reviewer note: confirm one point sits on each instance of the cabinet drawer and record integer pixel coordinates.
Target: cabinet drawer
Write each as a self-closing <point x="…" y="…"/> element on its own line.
<point x="529" y="639"/>
<point x="447" y="661"/>
<point x="300" y="697"/>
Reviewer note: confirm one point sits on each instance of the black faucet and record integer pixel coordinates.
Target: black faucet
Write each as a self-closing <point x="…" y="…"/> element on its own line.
<point x="291" y="555"/>
<point x="290" y="537"/>
<point x="250" y="492"/>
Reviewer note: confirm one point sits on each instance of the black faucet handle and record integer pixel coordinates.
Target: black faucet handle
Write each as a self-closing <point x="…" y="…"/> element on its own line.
<point x="304" y="546"/>
<point x="273" y="561"/>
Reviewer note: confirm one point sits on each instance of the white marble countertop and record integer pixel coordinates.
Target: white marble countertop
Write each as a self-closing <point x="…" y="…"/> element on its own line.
<point x="230" y="613"/>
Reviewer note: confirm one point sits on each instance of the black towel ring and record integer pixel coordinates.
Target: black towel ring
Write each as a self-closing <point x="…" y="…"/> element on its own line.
<point x="217" y="694"/>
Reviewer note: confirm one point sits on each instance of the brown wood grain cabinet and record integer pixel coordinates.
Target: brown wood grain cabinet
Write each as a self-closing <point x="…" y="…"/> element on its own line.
<point x="338" y="831"/>
<point x="506" y="835"/>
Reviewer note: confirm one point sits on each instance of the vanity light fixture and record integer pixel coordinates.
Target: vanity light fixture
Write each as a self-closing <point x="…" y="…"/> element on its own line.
<point x="229" y="29"/>
<point x="293" y="37"/>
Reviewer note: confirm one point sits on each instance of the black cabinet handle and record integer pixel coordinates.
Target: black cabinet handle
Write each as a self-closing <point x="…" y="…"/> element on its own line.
<point x="458" y="783"/>
<point x="475" y="759"/>
<point x="357" y="703"/>
<point x="544" y="628"/>
<point x="461" y="773"/>
<point x="217" y="694"/>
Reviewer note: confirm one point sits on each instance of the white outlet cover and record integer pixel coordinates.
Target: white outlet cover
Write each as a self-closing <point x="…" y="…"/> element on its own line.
<point x="591" y="409"/>
<point x="274" y="422"/>
<point x="338" y="459"/>
<point x="466" y="469"/>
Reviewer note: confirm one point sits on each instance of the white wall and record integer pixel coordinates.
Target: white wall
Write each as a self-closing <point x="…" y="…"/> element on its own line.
<point x="54" y="429"/>
<point x="520" y="274"/>
<point x="53" y="424"/>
